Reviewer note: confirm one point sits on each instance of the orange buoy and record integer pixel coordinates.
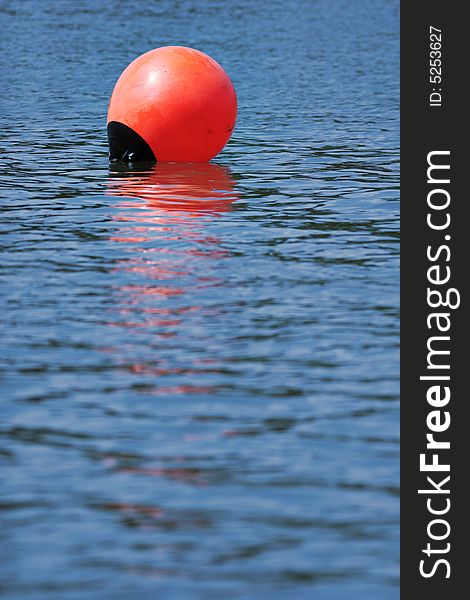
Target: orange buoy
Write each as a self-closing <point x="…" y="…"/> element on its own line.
<point x="171" y="104"/>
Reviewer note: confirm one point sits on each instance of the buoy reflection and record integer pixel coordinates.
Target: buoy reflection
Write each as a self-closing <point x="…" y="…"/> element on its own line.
<point x="177" y="187"/>
<point x="165" y="219"/>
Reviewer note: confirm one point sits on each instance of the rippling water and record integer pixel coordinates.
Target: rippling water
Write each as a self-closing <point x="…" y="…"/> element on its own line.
<point x="200" y="361"/>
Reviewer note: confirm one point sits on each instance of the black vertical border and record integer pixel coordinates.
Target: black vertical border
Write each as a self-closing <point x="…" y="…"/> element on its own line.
<point x="425" y="129"/>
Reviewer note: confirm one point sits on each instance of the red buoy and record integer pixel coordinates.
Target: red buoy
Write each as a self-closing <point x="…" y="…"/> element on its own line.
<point x="171" y="104"/>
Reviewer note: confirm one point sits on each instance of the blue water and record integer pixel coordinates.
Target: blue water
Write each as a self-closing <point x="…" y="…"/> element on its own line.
<point x="200" y="363"/>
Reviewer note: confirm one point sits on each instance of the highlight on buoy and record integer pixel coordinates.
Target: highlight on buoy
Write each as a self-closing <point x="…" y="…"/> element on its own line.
<point x="172" y="104"/>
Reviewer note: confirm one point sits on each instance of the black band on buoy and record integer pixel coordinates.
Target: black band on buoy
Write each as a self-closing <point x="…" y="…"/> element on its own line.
<point x="125" y="145"/>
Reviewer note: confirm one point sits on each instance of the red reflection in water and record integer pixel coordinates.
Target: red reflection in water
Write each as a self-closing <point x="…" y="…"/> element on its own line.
<point x="163" y="217"/>
<point x="179" y="188"/>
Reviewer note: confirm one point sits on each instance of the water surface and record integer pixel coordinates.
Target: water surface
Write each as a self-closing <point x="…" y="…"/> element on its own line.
<point x="200" y="364"/>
